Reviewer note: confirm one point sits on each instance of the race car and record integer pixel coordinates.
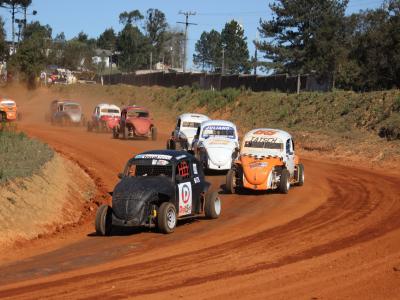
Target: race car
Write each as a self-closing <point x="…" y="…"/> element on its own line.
<point x="104" y="118"/>
<point x="185" y="130"/>
<point x="158" y="188"/>
<point x="135" y="122"/>
<point x="267" y="161"/>
<point x="216" y="144"/>
<point x="66" y="113"/>
<point x="8" y="110"/>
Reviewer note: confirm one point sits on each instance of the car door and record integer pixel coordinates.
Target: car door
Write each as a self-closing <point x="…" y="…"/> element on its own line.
<point x="197" y="185"/>
<point x="290" y="157"/>
<point x="184" y="189"/>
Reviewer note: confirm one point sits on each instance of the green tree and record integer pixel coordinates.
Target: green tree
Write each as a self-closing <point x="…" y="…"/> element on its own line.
<point x="13" y="6"/>
<point x="3" y="45"/>
<point x="304" y="36"/>
<point x="208" y="51"/>
<point x="234" y="45"/>
<point x="128" y="18"/>
<point x="173" y="47"/>
<point x="107" y="40"/>
<point x="31" y="56"/>
<point x="134" y="48"/>
<point x="156" y="27"/>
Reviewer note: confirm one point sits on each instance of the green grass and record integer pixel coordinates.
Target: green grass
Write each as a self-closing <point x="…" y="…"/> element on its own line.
<point x="21" y="156"/>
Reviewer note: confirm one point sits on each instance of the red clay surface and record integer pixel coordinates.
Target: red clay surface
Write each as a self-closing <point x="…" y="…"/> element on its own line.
<point x="336" y="237"/>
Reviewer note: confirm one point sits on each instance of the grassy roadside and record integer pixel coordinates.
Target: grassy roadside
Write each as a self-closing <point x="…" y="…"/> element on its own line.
<point x="21" y="156"/>
<point x="341" y="124"/>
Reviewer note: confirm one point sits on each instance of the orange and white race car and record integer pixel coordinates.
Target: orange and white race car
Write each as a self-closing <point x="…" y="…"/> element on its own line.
<point x="8" y="110"/>
<point x="267" y="161"/>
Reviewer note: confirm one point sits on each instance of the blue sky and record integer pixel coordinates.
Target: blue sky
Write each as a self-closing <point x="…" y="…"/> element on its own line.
<point x="93" y="16"/>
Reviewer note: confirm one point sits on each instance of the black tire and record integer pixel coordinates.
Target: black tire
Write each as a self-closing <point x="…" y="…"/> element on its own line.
<point x="103" y="222"/>
<point x="153" y="133"/>
<point x="167" y="218"/>
<point x="212" y="206"/>
<point x="115" y="133"/>
<point x="125" y="133"/>
<point x="230" y="185"/>
<point x="300" y="175"/>
<point x="171" y="144"/>
<point x="284" y="183"/>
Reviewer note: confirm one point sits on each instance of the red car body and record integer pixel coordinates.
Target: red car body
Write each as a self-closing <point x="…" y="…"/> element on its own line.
<point x="135" y="121"/>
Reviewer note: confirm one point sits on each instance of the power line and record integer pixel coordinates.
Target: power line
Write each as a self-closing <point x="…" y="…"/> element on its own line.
<point x="187" y="14"/>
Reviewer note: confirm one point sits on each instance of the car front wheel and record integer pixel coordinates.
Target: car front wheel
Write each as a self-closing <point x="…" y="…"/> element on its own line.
<point x="103" y="222"/>
<point x="212" y="206"/>
<point x="230" y="182"/>
<point x="284" y="183"/>
<point x="167" y="218"/>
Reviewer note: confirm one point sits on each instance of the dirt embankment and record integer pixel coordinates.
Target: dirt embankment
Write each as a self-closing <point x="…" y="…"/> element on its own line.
<point x="37" y="205"/>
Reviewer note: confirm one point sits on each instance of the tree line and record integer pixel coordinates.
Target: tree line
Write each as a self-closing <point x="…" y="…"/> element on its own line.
<point x="360" y="51"/>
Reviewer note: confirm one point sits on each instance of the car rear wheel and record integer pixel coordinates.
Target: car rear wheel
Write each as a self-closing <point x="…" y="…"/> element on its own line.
<point x="126" y="133"/>
<point x="300" y="174"/>
<point x="115" y="133"/>
<point x="153" y="133"/>
<point x="170" y="144"/>
<point x="103" y="222"/>
<point x="212" y="206"/>
<point x="230" y="186"/>
<point x="167" y="218"/>
<point x="284" y="183"/>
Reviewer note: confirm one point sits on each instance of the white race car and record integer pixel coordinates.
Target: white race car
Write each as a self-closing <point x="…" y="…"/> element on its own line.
<point x="216" y="144"/>
<point x="185" y="130"/>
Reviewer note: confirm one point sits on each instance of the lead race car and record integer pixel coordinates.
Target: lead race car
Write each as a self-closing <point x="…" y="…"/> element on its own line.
<point x="156" y="189"/>
<point x="185" y="130"/>
<point x="267" y="160"/>
<point x="216" y="144"/>
<point x="104" y="118"/>
<point x="135" y="122"/>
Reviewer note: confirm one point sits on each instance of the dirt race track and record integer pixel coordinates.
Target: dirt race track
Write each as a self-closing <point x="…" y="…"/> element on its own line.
<point x="337" y="237"/>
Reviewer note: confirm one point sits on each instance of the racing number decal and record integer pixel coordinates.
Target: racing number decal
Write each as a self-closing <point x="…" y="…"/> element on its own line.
<point x="185" y="198"/>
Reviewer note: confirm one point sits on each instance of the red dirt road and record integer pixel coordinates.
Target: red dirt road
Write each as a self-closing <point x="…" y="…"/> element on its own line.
<point x="336" y="237"/>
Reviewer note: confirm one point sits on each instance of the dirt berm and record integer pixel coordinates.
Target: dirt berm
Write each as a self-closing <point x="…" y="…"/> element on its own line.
<point x="34" y="206"/>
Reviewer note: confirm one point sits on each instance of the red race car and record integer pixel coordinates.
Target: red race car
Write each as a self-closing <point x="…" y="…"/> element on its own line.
<point x="135" y="122"/>
<point x="104" y="118"/>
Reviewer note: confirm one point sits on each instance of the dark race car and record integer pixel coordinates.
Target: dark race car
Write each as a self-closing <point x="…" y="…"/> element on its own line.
<point x="156" y="189"/>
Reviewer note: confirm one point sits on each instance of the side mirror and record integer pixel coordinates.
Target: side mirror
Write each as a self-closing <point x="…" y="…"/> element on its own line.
<point x="121" y="175"/>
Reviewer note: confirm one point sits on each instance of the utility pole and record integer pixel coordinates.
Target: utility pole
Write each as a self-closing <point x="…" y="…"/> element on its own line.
<point x="187" y="14"/>
<point x="223" y="62"/>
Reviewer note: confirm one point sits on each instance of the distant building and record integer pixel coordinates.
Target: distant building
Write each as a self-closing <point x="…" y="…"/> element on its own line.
<point x="102" y="56"/>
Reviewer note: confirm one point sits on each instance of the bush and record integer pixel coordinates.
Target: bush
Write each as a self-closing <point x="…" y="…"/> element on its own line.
<point x="21" y="156"/>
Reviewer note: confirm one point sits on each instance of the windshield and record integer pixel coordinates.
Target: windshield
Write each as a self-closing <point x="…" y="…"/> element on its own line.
<point x="150" y="168"/>
<point x="109" y="111"/>
<point x="220" y="131"/>
<point x="191" y="124"/>
<point x="71" y="107"/>
<point x="265" y="143"/>
<point x="138" y="114"/>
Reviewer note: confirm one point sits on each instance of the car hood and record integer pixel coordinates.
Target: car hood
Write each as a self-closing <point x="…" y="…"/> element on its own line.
<point x="142" y="125"/>
<point x="75" y="116"/>
<point x="133" y="196"/>
<point x="256" y="170"/>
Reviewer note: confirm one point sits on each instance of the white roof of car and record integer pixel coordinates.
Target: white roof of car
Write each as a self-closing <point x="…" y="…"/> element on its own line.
<point x="190" y="116"/>
<point x="7" y="101"/>
<point x="108" y="106"/>
<point x="268" y="132"/>
<point x="217" y="123"/>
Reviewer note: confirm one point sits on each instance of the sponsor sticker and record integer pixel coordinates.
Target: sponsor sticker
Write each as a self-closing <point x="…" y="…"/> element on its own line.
<point x="153" y="156"/>
<point x="254" y="165"/>
<point x="196" y="180"/>
<point x="185" y="198"/>
<point x="159" y="162"/>
<point x="195" y="169"/>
